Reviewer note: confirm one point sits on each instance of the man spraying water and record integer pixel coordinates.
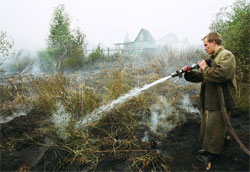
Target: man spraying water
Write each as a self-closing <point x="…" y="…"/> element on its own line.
<point x="218" y="69"/>
<point x="221" y="71"/>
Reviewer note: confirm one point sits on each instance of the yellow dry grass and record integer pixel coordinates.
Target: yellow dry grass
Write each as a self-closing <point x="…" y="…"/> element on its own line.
<point x="113" y="136"/>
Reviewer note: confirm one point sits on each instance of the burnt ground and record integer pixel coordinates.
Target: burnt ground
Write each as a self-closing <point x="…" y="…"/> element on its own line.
<point x="182" y="144"/>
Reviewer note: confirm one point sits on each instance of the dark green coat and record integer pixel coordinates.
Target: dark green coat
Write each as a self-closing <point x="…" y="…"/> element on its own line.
<point x="222" y="71"/>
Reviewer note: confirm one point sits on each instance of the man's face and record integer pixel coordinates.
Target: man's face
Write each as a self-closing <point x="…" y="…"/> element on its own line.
<point x="209" y="46"/>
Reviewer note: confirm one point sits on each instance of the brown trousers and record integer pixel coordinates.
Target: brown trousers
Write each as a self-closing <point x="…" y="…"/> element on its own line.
<point x="212" y="131"/>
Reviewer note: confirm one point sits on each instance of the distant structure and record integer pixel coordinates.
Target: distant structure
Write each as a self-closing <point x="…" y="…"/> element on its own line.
<point x="169" y="39"/>
<point x="144" y="40"/>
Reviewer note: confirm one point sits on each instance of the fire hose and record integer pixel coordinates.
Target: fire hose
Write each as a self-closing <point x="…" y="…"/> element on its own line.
<point x="227" y="121"/>
<point x="222" y="106"/>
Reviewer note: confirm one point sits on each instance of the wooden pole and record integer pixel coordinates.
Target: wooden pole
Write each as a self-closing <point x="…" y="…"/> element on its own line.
<point x="108" y="52"/>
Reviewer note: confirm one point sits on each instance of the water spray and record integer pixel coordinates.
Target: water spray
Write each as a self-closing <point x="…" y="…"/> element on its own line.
<point x="100" y="112"/>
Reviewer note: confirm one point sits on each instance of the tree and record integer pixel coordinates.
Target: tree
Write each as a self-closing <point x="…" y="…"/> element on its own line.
<point x="5" y="44"/>
<point x="59" y="35"/>
<point x="77" y="49"/>
<point x="59" y="28"/>
<point x="66" y="47"/>
<point x="233" y="25"/>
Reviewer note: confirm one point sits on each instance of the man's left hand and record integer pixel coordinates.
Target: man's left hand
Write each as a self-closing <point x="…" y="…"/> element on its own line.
<point x="202" y="63"/>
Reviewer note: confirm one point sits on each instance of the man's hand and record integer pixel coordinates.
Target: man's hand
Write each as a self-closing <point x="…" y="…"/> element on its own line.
<point x="202" y="63"/>
<point x="186" y="68"/>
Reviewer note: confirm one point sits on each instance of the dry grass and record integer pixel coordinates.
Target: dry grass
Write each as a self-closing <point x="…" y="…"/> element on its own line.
<point x="113" y="137"/>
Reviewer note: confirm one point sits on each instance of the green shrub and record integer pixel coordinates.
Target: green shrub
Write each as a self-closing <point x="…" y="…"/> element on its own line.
<point x="233" y="25"/>
<point x="73" y="62"/>
<point x="97" y="54"/>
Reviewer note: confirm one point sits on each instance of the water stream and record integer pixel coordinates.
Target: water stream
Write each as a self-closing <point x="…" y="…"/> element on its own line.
<point x="100" y="112"/>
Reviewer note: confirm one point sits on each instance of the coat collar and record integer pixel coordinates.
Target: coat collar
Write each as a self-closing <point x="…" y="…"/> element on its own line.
<point x="217" y="52"/>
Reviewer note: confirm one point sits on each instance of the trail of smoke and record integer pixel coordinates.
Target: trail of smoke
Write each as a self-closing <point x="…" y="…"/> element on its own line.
<point x="19" y="111"/>
<point x="188" y="106"/>
<point x="13" y="116"/>
<point x="160" y="112"/>
<point x="60" y="119"/>
<point x="99" y="113"/>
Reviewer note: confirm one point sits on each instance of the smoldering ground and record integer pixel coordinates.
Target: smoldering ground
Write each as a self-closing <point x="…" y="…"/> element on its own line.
<point x="154" y="130"/>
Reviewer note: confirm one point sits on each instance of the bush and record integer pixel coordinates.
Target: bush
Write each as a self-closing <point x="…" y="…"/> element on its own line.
<point x="97" y="54"/>
<point x="233" y="25"/>
<point x="73" y="62"/>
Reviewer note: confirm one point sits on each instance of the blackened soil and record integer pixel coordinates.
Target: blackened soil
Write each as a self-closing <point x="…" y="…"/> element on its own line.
<point x="183" y="145"/>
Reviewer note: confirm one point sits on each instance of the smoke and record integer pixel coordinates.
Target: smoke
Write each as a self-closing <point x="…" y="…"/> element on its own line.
<point x="145" y="137"/>
<point x="61" y="119"/>
<point x="188" y="106"/>
<point x="20" y="110"/>
<point x="18" y="113"/>
<point x="159" y="113"/>
<point x="20" y="62"/>
<point x="164" y="117"/>
<point x="36" y="70"/>
<point x="103" y="110"/>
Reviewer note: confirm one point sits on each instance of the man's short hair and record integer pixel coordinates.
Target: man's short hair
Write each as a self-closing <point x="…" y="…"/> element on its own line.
<point x="213" y="36"/>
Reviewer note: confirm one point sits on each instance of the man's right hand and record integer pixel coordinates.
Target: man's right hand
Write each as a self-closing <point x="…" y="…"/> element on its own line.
<point x="186" y="69"/>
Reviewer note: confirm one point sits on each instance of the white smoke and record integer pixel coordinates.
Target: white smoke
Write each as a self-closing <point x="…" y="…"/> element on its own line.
<point x="20" y="110"/>
<point x="35" y="69"/>
<point x="5" y="119"/>
<point x="188" y="106"/>
<point x="103" y="110"/>
<point x="164" y="117"/>
<point x="61" y="119"/>
<point x="145" y="137"/>
<point x="159" y="113"/>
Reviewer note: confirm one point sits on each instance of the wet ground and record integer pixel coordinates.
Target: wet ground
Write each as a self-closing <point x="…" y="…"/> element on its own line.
<point x="182" y="144"/>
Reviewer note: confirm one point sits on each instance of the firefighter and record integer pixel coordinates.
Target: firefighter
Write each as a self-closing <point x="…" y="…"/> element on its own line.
<point x="221" y="71"/>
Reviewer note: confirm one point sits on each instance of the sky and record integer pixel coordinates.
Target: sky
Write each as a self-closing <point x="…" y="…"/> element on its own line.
<point x="107" y="22"/>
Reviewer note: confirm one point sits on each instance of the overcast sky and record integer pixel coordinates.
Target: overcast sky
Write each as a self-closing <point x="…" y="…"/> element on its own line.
<point x="108" y="21"/>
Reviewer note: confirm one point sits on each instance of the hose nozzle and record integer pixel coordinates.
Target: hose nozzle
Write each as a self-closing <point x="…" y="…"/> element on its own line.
<point x="193" y="66"/>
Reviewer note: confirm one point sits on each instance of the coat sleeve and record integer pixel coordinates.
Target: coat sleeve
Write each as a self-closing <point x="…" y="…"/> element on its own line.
<point x="223" y="71"/>
<point x="193" y="76"/>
